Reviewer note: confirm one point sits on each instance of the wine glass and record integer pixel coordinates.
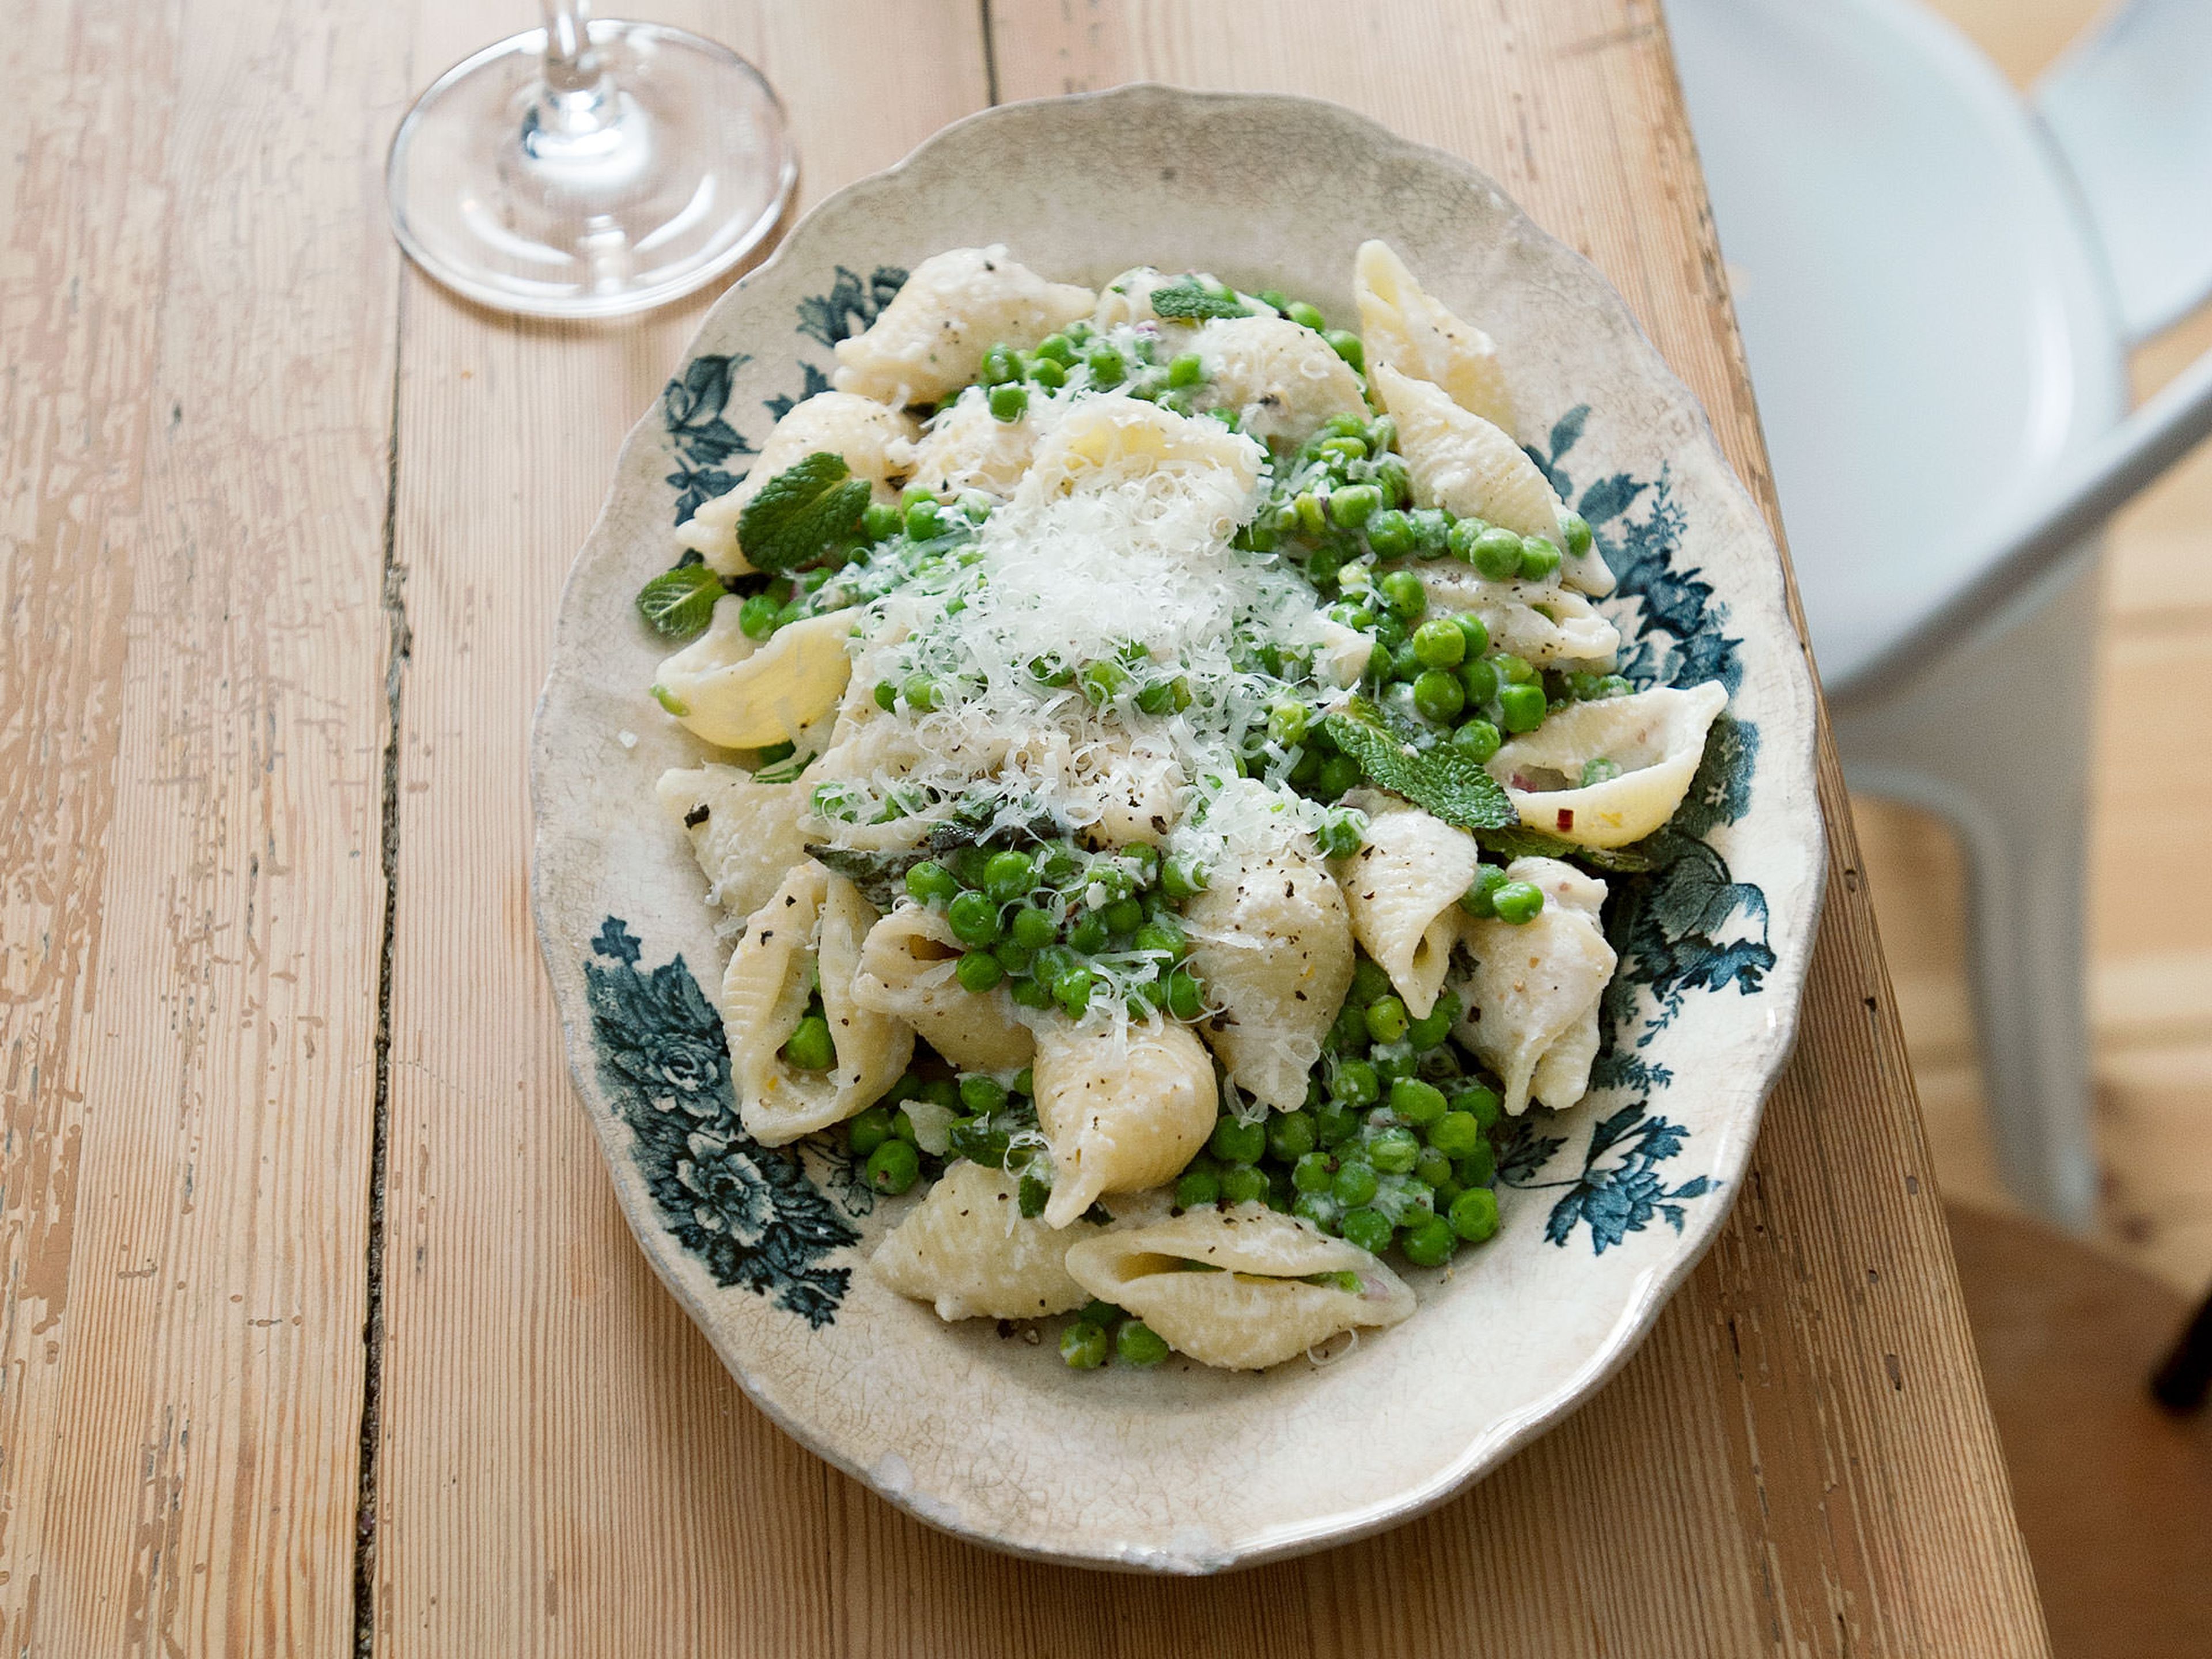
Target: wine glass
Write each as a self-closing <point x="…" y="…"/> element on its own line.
<point x="589" y="168"/>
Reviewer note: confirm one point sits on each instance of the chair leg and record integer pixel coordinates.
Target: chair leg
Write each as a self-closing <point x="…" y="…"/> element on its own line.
<point x="1996" y="739"/>
<point x="2183" y="1382"/>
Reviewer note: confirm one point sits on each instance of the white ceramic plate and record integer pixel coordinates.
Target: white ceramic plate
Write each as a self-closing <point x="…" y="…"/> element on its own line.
<point x="1606" y="1208"/>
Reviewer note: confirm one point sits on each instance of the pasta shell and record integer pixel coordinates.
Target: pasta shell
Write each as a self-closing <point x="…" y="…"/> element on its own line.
<point x="870" y="437"/>
<point x="814" y="921"/>
<point x="731" y="692"/>
<point x="930" y="340"/>
<point x="907" y="970"/>
<point x="967" y="1250"/>
<point x="745" y="834"/>
<point x="1258" y="1309"/>
<point x="1656" y="737"/>
<point x="968" y="447"/>
<point x="1546" y="625"/>
<point x="1403" y="889"/>
<point x="1534" y="992"/>
<point x="1121" y="1108"/>
<point x="1402" y="325"/>
<point x="1106" y="441"/>
<point x="1271" y="941"/>
<point x="1281" y="380"/>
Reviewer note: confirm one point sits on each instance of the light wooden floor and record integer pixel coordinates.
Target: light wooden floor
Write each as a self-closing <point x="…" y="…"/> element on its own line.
<point x="2150" y="984"/>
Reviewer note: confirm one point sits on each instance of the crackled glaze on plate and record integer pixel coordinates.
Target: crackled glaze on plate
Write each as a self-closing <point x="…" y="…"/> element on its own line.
<point x="1606" y="1208"/>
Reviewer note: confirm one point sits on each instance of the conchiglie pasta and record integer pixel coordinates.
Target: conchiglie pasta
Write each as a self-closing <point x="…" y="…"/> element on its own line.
<point x="1546" y="625"/>
<point x="1108" y="441"/>
<point x="1122" y="1110"/>
<point x="1403" y="889"/>
<point x="731" y="692"/>
<point x="1257" y="1308"/>
<point x="745" y="833"/>
<point x="1281" y="380"/>
<point x="811" y="927"/>
<point x="1655" y="739"/>
<point x="1533" y="991"/>
<point x="870" y="437"/>
<point x="1402" y="325"/>
<point x="1464" y="463"/>
<point x="930" y="340"/>
<point x="1271" y="940"/>
<point x="968" y="447"/>
<point x="906" y="970"/>
<point x="967" y="1250"/>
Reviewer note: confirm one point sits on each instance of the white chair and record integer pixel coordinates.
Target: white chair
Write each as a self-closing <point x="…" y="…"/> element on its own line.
<point x="1937" y="290"/>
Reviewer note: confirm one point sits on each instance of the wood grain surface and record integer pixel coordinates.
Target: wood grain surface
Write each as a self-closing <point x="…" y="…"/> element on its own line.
<point x="219" y="385"/>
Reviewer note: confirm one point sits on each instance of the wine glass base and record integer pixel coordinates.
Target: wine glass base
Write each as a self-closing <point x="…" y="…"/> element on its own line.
<point x="685" y="168"/>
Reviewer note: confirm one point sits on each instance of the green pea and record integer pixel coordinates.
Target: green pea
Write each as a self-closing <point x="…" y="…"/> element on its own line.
<point x="1341" y="834"/>
<point x="1314" y="1172"/>
<point x="1338" y="774"/>
<point x="1287" y="720"/>
<point x="1460" y="539"/>
<point x="1576" y="528"/>
<point x="1335" y="1123"/>
<point x="880" y="521"/>
<point x="1440" y="643"/>
<point x="1417" y="1102"/>
<point x="1024" y="1082"/>
<point x="1319" y="1208"/>
<point x="1369" y="1230"/>
<point x="1009" y="403"/>
<point x="1292" y="1135"/>
<point x="1090" y="934"/>
<point x="1305" y="316"/>
<point x="975" y="919"/>
<point x="1512" y="669"/>
<point x="922" y="693"/>
<point x="1395" y="1151"/>
<point x="868" y="1130"/>
<point x="1045" y="372"/>
<point x="808" y="1048"/>
<point x="1480" y="899"/>
<point x="1393" y="1061"/>
<point x="1479" y="1167"/>
<point x="1058" y="347"/>
<point x="1389" y="630"/>
<point x="1102" y="681"/>
<point x="1475" y="632"/>
<point x="1196" y="1187"/>
<point x="1480" y="1103"/>
<point x="1032" y="929"/>
<point x="1321" y="566"/>
<point x="1186" y="997"/>
<point x="893" y="1167"/>
<point x="1540" y="560"/>
<point x="1478" y="678"/>
<point x="940" y="1091"/>
<point x="1186" y="369"/>
<point x="886" y="695"/>
<point x="982" y="1092"/>
<point x="1402" y="592"/>
<point x="1083" y="1346"/>
<point x="1356" y="1083"/>
<point x="1496" y="554"/>
<point x="1243" y="1183"/>
<point x="1354" y="505"/>
<point x="1108" y="367"/>
<point x="1369" y="981"/>
<point x="1478" y="739"/>
<point x="1124" y="915"/>
<point x="1072" y="989"/>
<point x="1432" y="1168"/>
<point x="1137" y="1344"/>
<point x="978" y="971"/>
<point x="1163" y="936"/>
<point x="1000" y="364"/>
<point x="1438" y="695"/>
<point x="1518" y="903"/>
<point x="1354" y="1182"/>
<point x="1389" y="475"/>
<point x="1389" y="532"/>
<point x="1600" y="770"/>
<point x="1271" y="298"/>
<point x="1456" y="1135"/>
<point x="1182" y="877"/>
<point x="1386" y="1018"/>
<point x="1346" y="344"/>
<point x="1430" y="1241"/>
<point x="1431" y="531"/>
<point x="757" y="617"/>
<point x="1521" y="707"/>
<point x="1008" y="875"/>
<point x="1234" y="1141"/>
<point x="925" y="521"/>
<point x="1474" y="1215"/>
<point x="931" y="882"/>
<point x="1430" y="1030"/>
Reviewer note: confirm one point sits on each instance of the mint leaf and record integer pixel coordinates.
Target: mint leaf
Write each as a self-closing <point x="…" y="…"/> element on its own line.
<point x="1524" y="843"/>
<point x="676" y="603"/>
<point x="800" y="512"/>
<point x="1441" y="780"/>
<point x="1186" y="296"/>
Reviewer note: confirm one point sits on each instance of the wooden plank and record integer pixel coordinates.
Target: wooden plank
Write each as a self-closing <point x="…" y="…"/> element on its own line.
<point x="196" y="298"/>
<point x="564" y="1466"/>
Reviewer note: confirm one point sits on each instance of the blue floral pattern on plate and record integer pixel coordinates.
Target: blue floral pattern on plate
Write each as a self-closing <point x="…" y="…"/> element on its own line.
<point x="767" y="1220"/>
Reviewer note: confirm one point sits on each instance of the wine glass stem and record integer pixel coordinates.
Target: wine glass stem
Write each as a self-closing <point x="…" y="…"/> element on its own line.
<point x="578" y="98"/>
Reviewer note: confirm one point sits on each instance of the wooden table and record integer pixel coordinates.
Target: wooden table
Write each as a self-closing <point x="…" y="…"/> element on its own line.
<point x="284" y="530"/>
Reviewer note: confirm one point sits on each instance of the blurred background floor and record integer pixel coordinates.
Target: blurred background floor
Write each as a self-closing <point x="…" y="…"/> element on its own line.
<point x="2150" y="929"/>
